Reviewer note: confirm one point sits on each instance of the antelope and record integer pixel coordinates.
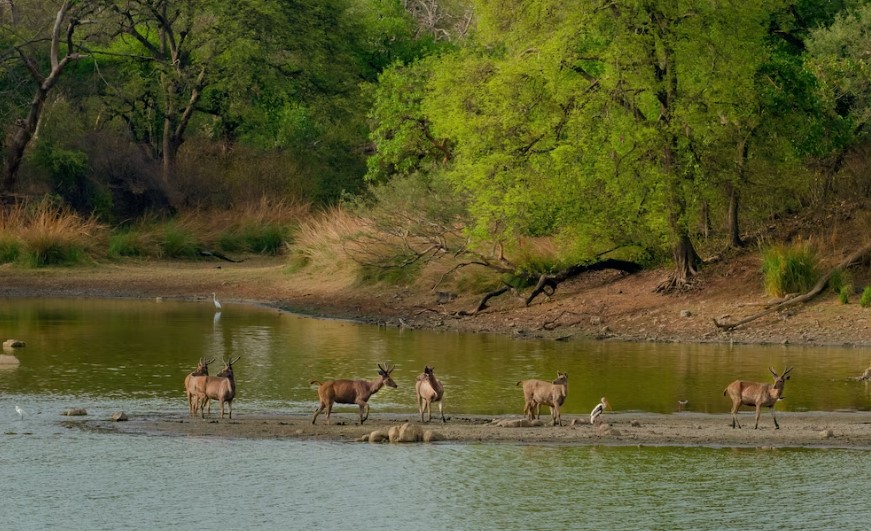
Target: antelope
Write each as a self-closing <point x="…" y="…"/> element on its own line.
<point x="538" y="392"/>
<point x="351" y="392"/>
<point x="429" y="390"/>
<point x="745" y="393"/>
<point x="195" y="385"/>
<point x="221" y="387"/>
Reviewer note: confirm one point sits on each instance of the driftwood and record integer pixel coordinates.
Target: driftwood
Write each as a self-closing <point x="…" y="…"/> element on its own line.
<point x="219" y="255"/>
<point x="547" y="283"/>
<point x="483" y="303"/>
<point x="816" y="290"/>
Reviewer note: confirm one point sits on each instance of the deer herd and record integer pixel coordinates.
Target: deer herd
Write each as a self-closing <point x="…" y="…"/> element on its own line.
<point x="201" y="389"/>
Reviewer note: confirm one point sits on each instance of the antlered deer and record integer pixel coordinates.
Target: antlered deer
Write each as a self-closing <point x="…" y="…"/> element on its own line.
<point x="222" y="387"/>
<point x="351" y="392"/>
<point x="745" y="393"/>
<point x="538" y="392"/>
<point x="429" y="390"/>
<point x="195" y="385"/>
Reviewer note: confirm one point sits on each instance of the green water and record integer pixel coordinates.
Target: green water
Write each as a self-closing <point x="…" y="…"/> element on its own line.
<point x="133" y="355"/>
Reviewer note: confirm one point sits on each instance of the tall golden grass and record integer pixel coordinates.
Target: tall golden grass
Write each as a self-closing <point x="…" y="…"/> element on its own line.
<point x="46" y="234"/>
<point x="321" y="241"/>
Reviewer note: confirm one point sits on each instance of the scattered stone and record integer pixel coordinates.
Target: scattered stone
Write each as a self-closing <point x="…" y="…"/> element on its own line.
<point x="827" y="434"/>
<point x="120" y="417"/>
<point x="443" y="297"/>
<point x="595" y="320"/>
<point x="377" y="436"/>
<point x="432" y="436"/>
<point x="393" y="433"/>
<point x="686" y="313"/>
<point x="75" y="412"/>
<point x="517" y="423"/>
<point x="8" y="359"/>
<point x="409" y="432"/>
<point x="13" y="343"/>
<point x="635" y="424"/>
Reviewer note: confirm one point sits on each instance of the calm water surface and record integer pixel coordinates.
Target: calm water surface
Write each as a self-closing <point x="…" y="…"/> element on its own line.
<point x="133" y="355"/>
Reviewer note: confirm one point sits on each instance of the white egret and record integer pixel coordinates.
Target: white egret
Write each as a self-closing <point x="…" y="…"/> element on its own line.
<point x="20" y="412"/>
<point x="215" y="300"/>
<point x="600" y="407"/>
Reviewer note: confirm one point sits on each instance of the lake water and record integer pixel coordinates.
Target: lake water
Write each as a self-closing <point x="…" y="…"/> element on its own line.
<point x="132" y="355"/>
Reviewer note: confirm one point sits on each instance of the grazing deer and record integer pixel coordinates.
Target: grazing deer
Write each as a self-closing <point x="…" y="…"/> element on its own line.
<point x="429" y="390"/>
<point x="745" y="393"/>
<point x="351" y="392"/>
<point x="195" y="385"/>
<point x="222" y="387"/>
<point x="538" y="392"/>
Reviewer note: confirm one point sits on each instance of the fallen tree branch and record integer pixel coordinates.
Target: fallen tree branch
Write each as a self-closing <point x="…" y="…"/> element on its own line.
<point x="816" y="290"/>
<point x="550" y="282"/>
<point x="483" y="303"/>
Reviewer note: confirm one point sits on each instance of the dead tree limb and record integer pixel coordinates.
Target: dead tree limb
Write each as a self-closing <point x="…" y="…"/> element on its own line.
<point x="547" y="284"/>
<point x="816" y="290"/>
<point x="483" y="303"/>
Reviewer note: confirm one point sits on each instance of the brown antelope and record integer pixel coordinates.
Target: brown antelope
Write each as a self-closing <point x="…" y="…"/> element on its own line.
<point x="429" y="390"/>
<point x="221" y="387"/>
<point x="351" y="392"/>
<point x="745" y="393"/>
<point x="195" y="385"/>
<point x="538" y="392"/>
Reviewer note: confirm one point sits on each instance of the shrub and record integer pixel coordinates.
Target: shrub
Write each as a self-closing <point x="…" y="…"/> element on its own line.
<point x="865" y="299"/>
<point x="789" y="269"/>
<point x="10" y="249"/>
<point x="844" y="294"/>
<point x="177" y="242"/>
<point x="128" y="243"/>
<point x="40" y="234"/>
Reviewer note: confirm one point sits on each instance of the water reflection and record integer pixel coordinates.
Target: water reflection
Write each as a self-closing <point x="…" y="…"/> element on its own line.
<point x="124" y="348"/>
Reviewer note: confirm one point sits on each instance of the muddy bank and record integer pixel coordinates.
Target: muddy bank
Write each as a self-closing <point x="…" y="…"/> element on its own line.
<point x="798" y="430"/>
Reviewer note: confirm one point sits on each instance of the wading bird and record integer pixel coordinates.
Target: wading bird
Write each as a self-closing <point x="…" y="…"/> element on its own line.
<point x="20" y="412"/>
<point x="600" y="407"/>
<point x="217" y="303"/>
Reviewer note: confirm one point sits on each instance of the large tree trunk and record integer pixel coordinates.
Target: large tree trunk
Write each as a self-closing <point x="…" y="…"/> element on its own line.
<point x="686" y="261"/>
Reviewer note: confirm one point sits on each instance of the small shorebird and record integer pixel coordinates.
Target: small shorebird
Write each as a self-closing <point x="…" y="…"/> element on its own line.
<point x="20" y="412"/>
<point x="600" y="407"/>
<point x="215" y="300"/>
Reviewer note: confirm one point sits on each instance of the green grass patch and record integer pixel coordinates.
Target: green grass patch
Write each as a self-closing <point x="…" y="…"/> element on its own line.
<point x="789" y="269"/>
<point x="128" y="243"/>
<point x="10" y="250"/>
<point x="269" y="239"/>
<point x="177" y="242"/>
<point x="865" y="299"/>
<point x="844" y="294"/>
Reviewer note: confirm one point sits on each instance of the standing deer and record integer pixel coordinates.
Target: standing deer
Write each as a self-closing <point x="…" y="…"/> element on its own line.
<point x="351" y="392"/>
<point x="538" y="392"/>
<point x="222" y="387"/>
<point x="745" y="393"/>
<point x="429" y="390"/>
<point x="195" y="385"/>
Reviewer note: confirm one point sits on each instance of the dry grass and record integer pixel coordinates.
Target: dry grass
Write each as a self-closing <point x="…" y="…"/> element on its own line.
<point x="41" y="234"/>
<point x="321" y="240"/>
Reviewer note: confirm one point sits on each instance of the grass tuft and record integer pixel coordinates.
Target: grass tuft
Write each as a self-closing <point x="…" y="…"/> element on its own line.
<point x="789" y="269"/>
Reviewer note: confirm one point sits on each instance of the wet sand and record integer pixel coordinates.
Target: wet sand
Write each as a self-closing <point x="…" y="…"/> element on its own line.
<point x="798" y="430"/>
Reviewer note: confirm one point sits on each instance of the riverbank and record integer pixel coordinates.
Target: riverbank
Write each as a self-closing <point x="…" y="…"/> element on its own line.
<point x="603" y="305"/>
<point x="798" y="430"/>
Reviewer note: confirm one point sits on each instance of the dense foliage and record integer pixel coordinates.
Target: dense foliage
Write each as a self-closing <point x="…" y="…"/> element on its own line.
<point x="631" y="129"/>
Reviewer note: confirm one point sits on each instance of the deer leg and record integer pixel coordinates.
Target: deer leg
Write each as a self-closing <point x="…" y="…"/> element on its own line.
<point x="318" y="411"/>
<point x="329" y="411"/>
<point x="554" y="411"/>
<point x="429" y="410"/>
<point x="222" y="408"/>
<point x="364" y="406"/>
<point x="420" y="406"/>
<point x="442" y="411"/>
<point x="758" y="412"/>
<point x="776" y="425"/>
<point x="230" y="408"/>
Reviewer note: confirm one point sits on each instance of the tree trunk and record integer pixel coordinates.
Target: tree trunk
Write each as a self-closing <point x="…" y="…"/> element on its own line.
<point x="734" y="231"/>
<point x="686" y="261"/>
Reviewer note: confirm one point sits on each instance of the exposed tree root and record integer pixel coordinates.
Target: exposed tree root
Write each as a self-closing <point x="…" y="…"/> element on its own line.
<point x="816" y="290"/>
